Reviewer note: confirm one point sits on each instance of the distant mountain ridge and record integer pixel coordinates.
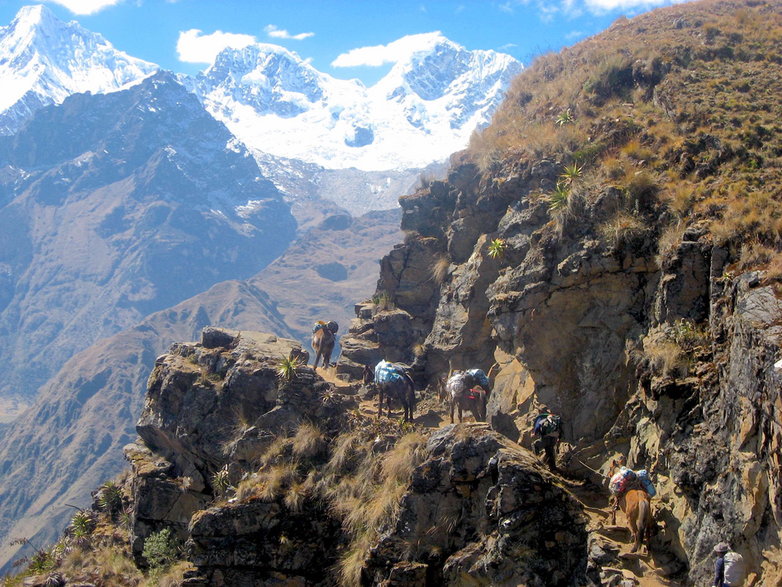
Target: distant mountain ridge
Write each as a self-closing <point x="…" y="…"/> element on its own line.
<point x="423" y="110"/>
<point x="115" y="206"/>
<point x="43" y="60"/>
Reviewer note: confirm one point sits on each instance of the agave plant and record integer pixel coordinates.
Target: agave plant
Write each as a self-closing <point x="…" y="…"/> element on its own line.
<point x="286" y="370"/>
<point x="82" y="525"/>
<point x="110" y="497"/>
<point x="571" y="174"/>
<point x="497" y="248"/>
<point x="565" y="117"/>
<point x="558" y="199"/>
<point x="220" y="481"/>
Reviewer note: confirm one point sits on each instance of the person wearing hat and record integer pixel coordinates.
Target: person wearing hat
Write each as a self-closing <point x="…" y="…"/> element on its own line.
<point x="719" y="565"/>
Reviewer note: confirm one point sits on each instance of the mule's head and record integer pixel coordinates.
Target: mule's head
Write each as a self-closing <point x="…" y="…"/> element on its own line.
<point x="480" y="403"/>
<point x="616" y="464"/>
<point x="368" y="375"/>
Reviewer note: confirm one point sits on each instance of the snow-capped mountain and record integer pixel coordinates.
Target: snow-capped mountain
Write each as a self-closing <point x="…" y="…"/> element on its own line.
<point x="271" y="99"/>
<point x="43" y="60"/>
<point x="423" y="110"/>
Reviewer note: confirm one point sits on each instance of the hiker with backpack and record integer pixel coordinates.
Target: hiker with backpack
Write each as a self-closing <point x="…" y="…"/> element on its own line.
<point x="728" y="567"/>
<point x="548" y="428"/>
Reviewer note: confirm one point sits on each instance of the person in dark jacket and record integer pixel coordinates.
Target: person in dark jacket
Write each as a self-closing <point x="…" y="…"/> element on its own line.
<point x="549" y="437"/>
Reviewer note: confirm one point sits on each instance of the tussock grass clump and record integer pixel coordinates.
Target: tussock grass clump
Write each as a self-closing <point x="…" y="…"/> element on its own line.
<point x="666" y="356"/>
<point x="440" y="269"/>
<point x="308" y="441"/>
<point x="368" y="506"/>
<point x="669" y="242"/>
<point x="623" y="229"/>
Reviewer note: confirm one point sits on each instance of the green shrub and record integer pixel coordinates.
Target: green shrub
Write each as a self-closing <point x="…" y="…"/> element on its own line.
<point x="160" y="549"/>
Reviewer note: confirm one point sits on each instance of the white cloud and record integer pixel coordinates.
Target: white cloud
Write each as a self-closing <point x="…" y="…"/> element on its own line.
<point x="574" y="8"/>
<point x="195" y="47"/>
<point x="609" y="5"/>
<point x="378" y="55"/>
<point x="277" y="33"/>
<point x="85" y="6"/>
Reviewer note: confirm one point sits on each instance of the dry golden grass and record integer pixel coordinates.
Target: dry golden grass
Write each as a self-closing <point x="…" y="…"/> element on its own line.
<point x="708" y="136"/>
<point x="296" y="496"/>
<point x="344" y="448"/>
<point x="679" y="197"/>
<point x="774" y="269"/>
<point x="370" y="500"/>
<point x="112" y="565"/>
<point x="669" y="242"/>
<point x="623" y="228"/>
<point x="308" y="441"/>
<point x="270" y="482"/>
<point x="754" y="254"/>
<point x="440" y="269"/>
<point x="172" y="577"/>
<point x="352" y="561"/>
<point x="666" y="357"/>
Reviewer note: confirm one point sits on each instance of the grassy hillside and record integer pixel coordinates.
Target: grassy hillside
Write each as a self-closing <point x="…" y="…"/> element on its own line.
<point x="679" y="107"/>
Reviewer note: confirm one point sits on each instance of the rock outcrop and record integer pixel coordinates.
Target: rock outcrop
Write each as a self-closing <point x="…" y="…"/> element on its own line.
<point x="651" y="329"/>
<point x="474" y="507"/>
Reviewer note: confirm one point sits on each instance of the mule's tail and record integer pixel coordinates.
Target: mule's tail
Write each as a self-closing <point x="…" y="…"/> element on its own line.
<point x="410" y="392"/>
<point x="644" y="520"/>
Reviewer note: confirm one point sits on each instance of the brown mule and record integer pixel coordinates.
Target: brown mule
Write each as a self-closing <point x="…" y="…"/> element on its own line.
<point x="637" y="508"/>
<point x="323" y="341"/>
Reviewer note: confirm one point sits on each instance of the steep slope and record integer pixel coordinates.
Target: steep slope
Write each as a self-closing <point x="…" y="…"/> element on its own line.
<point x="421" y="112"/>
<point x="104" y="384"/>
<point x="612" y="241"/>
<point x="114" y="206"/>
<point x="71" y="439"/>
<point x="45" y="60"/>
<point x="323" y="273"/>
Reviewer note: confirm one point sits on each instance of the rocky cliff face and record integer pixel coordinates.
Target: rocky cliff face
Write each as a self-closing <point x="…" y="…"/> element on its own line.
<point x="576" y="326"/>
<point x="322" y="494"/>
<point x="649" y="327"/>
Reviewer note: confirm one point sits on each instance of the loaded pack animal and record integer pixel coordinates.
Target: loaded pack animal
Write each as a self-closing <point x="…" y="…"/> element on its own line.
<point x="393" y="382"/>
<point x="466" y="391"/>
<point x="324" y="336"/>
<point x="637" y="508"/>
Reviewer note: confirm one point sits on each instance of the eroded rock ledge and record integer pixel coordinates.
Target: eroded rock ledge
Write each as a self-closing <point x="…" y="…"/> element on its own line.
<point x="473" y="508"/>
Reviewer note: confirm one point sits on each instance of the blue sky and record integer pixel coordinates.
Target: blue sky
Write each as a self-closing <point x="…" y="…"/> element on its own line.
<point x="181" y="35"/>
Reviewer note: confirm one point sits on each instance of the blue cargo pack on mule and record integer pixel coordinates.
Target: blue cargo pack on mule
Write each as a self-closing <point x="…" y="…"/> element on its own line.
<point x="480" y="377"/>
<point x="386" y="372"/>
<point x="643" y="477"/>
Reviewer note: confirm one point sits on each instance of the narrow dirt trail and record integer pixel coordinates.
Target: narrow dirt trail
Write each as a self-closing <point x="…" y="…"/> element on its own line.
<point x="615" y="540"/>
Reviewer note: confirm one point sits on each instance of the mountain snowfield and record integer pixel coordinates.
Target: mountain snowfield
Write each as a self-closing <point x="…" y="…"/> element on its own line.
<point x="271" y="99"/>
<point x="44" y="60"/>
<point x="423" y="110"/>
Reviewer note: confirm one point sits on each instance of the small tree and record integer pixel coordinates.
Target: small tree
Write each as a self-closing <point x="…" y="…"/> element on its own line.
<point x="160" y="550"/>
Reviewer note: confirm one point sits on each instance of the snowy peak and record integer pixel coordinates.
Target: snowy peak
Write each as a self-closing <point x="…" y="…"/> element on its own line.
<point x="439" y="68"/>
<point x="423" y="110"/>
<point x="43" y="60"/>
<point x="268" y="78"/>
